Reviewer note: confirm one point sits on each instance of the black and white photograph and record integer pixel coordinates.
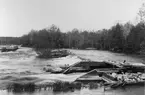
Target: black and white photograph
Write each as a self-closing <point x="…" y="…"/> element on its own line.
<point x="72" y="47"/>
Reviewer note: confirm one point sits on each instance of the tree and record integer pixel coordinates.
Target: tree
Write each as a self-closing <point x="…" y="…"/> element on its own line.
<point x="135" y="37"/>
<point x="141" y="13"/>
<point x="116" y="37"/>
<point x="142" y="46"/>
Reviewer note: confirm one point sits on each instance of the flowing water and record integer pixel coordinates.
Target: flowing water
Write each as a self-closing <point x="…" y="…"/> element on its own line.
<point x="24" y="62"/>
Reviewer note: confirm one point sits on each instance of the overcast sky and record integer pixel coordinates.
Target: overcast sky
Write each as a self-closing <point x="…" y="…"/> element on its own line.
<point x="18" y="17"/>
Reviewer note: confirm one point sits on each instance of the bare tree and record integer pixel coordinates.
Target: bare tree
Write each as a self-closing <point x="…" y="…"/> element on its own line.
<point x="141" y="13"/>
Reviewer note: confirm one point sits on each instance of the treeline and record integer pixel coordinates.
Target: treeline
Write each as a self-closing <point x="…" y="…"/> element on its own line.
<point x="9" y="40"/>
<point x="127" y="38"/>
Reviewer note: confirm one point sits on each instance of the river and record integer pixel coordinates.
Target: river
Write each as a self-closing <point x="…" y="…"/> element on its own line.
<point x="24" y="62"/>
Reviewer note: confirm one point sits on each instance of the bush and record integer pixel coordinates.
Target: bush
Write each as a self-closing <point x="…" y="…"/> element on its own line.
<point x="43" y="53"/>
<point x="48" y="53"/>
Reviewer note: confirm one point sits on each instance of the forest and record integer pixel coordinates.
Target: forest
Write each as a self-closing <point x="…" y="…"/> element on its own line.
<point x="9" y="40"/>
<point x="127" y="38"/>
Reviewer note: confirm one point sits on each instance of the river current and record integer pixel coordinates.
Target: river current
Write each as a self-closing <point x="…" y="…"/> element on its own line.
<point x="24" y="62"/>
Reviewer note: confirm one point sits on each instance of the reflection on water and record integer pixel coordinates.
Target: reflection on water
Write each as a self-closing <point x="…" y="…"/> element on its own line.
<point x="130" y="90"/>
<point x="66" y="88"/>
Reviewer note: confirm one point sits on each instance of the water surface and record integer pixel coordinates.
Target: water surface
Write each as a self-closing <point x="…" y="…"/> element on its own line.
<point x="24" y="62"/>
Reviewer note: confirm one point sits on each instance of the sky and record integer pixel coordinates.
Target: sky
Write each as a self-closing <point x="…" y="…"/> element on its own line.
<point x="18" y="17"/>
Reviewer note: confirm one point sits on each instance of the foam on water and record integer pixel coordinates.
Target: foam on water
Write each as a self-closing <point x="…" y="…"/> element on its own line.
<point x="23" y="62"/>
<point x="69" y="60"/>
